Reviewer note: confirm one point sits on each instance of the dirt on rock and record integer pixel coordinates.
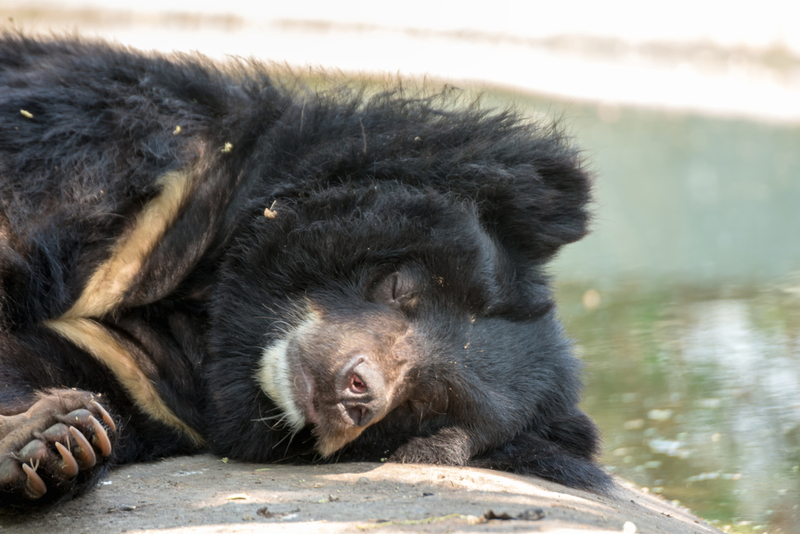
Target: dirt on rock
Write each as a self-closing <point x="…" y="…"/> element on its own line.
<point x="205" y="494"/>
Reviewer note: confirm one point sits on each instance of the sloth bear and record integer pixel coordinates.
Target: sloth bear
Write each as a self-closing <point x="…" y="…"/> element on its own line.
<point x="200" y="256"/>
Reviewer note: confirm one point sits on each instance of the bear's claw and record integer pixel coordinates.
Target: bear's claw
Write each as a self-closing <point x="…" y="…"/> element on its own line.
<point x="34" y="486"/>
<point x="69" y="466"/>
<point x="84" y="453"/>
<point x="100" y="438"/>
<point x="105" y="415"/>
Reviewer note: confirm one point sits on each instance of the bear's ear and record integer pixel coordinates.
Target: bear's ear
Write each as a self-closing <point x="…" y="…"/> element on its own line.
<point x="527" y="178"/>
<point x="537" y="211"/>
<point x="534" y="200"/>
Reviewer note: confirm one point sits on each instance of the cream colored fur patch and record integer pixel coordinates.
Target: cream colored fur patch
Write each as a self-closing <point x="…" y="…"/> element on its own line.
<point x="107" y="286"/>
<point x="97" y="341"/>
<point x="276" y="377"/>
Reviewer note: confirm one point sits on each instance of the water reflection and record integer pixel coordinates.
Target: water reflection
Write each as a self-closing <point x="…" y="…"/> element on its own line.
<point x="698" y="396"/>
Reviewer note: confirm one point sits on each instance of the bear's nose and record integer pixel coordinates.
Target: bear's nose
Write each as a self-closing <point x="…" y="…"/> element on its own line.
<point x="363" y="390"/>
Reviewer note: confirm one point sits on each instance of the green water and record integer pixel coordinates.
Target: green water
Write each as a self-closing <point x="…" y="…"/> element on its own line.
<point x="685" y="307"/>
<point x="698" y="396"/>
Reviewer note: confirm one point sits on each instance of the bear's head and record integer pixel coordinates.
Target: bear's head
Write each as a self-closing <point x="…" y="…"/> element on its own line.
<point x="357" y="305"/>
<point x="394" y="285"/>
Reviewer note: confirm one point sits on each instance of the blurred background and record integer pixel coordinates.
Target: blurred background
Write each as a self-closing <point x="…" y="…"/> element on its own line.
<point x="685" y="301"/>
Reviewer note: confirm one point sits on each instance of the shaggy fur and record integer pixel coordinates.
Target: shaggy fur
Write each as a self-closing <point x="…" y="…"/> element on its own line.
<point x="224" y="262"/>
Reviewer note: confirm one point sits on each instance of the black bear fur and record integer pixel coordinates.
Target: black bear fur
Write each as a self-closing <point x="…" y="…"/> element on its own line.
<point x="227" y="259"/>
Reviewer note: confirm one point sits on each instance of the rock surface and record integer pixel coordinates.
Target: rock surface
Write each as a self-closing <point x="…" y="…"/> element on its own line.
<point x="203" y="494"/>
